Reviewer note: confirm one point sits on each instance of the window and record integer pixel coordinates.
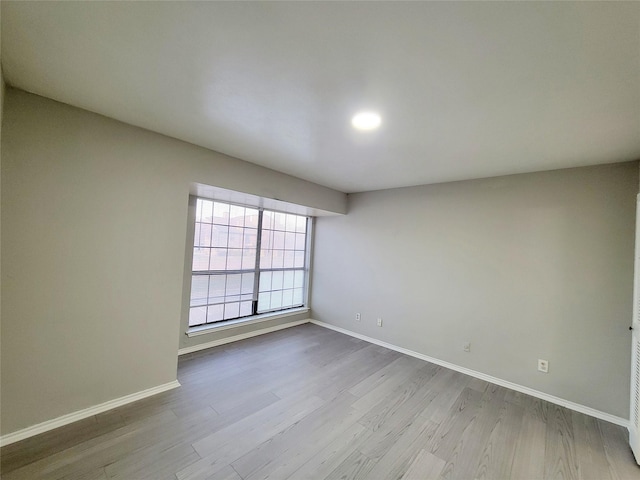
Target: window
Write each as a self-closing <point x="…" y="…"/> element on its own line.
<point x="246" y="261"/>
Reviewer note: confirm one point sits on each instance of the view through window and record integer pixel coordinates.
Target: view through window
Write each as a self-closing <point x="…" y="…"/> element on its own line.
<point x="246" y="261"/>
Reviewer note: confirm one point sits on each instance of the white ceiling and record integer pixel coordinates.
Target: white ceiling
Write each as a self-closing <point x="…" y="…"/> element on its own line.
<point x="466" y="90"/>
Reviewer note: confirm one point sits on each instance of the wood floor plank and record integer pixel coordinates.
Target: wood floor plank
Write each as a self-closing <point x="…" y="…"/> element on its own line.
<point x="396" y="371"/>
<point x="227" y="473"/>
<point x="560" y="451"/>
<point x="465" y="457"/>
<point x="478" y="384"/>
<point x="355" y="466"/>
<point x="42" y="446"/>
<point x="530" y="449"/>
<point x="342" y="373"/>
<point x="399" y="456"/>
<point x="319" y="464"/>
<point x="315" y="428"/>
<point x="128" y="449"/>
<point x="227" y="445"/>
<point x="166" y="463"/>
<point x="70" y="458"/>
<point x="622" y="465"/>
<point x="311" y="403"/>
<point x="498" y="454"/>
<point x="448" y="393"/>
<point x="393" y="380"/>
<point x="591" y="458"/>
<point x="450" y="429"/>
<point x="416" y="393"/>
<point x="91" y="474"/>
<point x="425" y="466"/>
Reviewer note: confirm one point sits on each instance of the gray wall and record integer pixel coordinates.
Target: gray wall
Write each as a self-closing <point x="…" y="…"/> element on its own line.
<point x="94" y="217"/>
<point x="523" y="267"/>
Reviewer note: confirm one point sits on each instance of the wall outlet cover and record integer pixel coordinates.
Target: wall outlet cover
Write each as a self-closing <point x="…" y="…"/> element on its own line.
<point x="543" y="366"/>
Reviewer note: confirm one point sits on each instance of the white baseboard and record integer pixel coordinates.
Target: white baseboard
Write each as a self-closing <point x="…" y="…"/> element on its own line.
<point x="498" y="381"/>
<point x="242" y="336"/>
<point x="85" y="413"/>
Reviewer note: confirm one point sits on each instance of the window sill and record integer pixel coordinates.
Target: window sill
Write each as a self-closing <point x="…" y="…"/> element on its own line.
<point x="240" y="322"/>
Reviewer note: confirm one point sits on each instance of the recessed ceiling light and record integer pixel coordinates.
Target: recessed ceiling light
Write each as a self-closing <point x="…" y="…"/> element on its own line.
<point x="366" y="121"/>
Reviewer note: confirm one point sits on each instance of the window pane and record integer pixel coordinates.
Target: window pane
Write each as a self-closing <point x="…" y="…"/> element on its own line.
<point x="219" y="236"/>
<point x="233" y="285"/>
<point x="197" y="316"/>
<point x="214" y="313"/>
<point x="250" y="238"/>
<point x="277" y="260"/>
<point x="278" y="240"/>
<point x="290" y="241"/>
<point x="287" y="281"/>
<point x="267" y="220"/>
<point x="247" y="283"/>
<point x="236" y="216"/>
<point x="206" y="211"/>
<point x="205" y="235"/>
<point x="221" y="213"/>
<point x="301" y="224"/>
<point x="264" y="301"/>
<point x="218" y="259"/>
<point x="277" y="280"/>
<point x="267" y="239"/>
<point x="199" y="288"/>
<point x="248" y="258"/>
<point x="225" y="238"/>
<point x="265" y="281"/>
<point x="217" y="285"/>
<point x="279" y="221"/>
<point x="234" y="259"/>
<point x="236" y="237"/>
<point x="289" y="258"/>
<point x="198" y="210"/>
<point x="196" y="236"/>
<point x="200" y="259"/>
<point x="251" y="217"/>
<point x="291" y="223"/>
<point x="287" y="298"/>
<point x="276" y="300"/>
<point x="265" y="258"/>
<point x="231" y="310"/>
<point x="245" y="309"/>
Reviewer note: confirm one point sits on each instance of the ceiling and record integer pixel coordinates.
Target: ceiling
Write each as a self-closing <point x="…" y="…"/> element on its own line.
<point x="465" y="90"/>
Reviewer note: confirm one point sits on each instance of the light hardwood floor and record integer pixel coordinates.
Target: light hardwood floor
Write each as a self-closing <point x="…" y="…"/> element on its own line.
<point x="308" y="402"/>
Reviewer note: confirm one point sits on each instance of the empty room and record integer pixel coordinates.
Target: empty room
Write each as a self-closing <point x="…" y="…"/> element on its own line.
<point x="319" y="240"/>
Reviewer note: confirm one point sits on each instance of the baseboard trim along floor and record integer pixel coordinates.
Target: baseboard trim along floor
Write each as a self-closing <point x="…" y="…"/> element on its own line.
<point x="118" y="402"/>
<point x="242" y="336"/>
<point x="488" y="378"/>
<point x="82" y="414"/>
<point x="103" y="407"/>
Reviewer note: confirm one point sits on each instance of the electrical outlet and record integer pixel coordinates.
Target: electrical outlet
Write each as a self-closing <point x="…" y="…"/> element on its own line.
<point x="466" y="347"/>
<point x="358" y="317"/>
<point x="379" y="322"/>
<point x="543" y="366"/>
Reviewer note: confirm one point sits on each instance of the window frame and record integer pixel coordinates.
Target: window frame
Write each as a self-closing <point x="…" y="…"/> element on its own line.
<point x="257" y="314"/>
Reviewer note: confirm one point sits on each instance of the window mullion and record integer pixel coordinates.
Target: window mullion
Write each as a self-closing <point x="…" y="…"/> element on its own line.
<point x="256" y="275"/>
